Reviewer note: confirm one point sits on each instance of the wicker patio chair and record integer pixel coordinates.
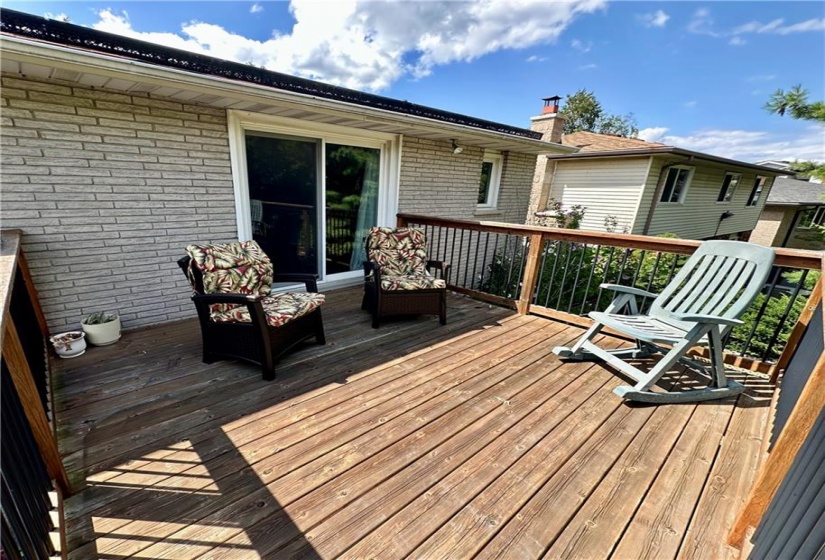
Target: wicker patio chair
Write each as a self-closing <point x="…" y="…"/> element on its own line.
<point x="239" y="318"/>
<point x="397" y="278"/>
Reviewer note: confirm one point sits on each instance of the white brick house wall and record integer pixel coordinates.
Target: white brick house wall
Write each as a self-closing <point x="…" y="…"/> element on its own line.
<point x="108" y="188"/>
<point x="436" y="182"/>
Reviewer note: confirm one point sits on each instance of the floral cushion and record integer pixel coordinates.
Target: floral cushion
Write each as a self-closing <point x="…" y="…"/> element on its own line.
<point x="412" y="282"/>
<point x="279" y="309"/>
<point x="399" y="252"/>
<point x="240" y="267"/>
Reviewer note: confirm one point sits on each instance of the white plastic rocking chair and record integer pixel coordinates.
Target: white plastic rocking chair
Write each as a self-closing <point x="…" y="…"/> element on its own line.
<point x="699" y="306"/>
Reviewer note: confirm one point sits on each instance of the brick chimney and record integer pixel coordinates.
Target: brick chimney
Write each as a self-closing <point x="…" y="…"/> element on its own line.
<point x="550" y="123"/>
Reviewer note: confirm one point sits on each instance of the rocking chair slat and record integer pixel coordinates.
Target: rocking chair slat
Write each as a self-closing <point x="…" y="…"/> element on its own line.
<point x="702" y="302"/>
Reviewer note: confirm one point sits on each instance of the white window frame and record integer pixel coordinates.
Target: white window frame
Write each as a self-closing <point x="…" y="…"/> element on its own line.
<point x="756" y="191"/>
<point x="726" y="192"/>
<point x="497" y="160"/>
<point x="690" y="169"/>
<point x="239" y="122"/>
<point x="817" y="218"/>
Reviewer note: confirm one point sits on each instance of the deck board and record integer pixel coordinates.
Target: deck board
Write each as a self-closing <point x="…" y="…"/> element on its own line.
<point x="470" y="440"/>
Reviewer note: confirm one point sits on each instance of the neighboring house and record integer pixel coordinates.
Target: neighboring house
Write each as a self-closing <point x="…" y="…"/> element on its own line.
<point x="629" y="185"/>
<point x="792" y="212"/>
<point x="117" y="153"/>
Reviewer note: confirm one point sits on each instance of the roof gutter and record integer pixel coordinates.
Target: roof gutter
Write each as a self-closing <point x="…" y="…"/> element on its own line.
<point x="666" y="150"/>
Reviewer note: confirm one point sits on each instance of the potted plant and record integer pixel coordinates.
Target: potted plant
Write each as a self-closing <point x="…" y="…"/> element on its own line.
<point x="101" y="328"/>
<point x="69" y="344"/>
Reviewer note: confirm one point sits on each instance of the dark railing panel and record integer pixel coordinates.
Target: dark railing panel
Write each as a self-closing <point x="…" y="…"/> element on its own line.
<point x="24" y="316"/>
<point x="25" y="482"/>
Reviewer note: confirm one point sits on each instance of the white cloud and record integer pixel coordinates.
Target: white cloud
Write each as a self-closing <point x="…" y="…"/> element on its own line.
<point x="653" y="134"/>
<point x="702" y="24"/>
<point x="690" y="104"/>
<point x="746" y="145"/>
<point x="58" y="17"/>
<point x="536" y="58"/>
<point x="653" y="19"/>
<point x="581" y="46"/>
<point x="369" y="45"/>
<point x="256" y="8"/>
<point x="590" y="66"/>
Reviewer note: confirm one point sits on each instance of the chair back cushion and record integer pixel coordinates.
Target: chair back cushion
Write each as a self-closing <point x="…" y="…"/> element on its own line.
<point x="399" y="252"/>
<point x="240" y="267"/>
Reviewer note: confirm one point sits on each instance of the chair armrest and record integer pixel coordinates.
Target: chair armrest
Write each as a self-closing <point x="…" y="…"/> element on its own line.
<point x="713" y="319"/>
<point x="628" y="290"/>
<point x="309" y="280"/>
<point x="443" y="266"/>
<point x="240" y="299"/>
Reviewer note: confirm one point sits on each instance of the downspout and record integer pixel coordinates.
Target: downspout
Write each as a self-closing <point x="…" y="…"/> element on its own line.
<point x="660" y="185"/>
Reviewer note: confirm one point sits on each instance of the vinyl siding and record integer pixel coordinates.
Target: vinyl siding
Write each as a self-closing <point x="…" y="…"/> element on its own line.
<point x="646" y="200"/>
<point x="604" y="187"/>
<point x="697" y="217"/>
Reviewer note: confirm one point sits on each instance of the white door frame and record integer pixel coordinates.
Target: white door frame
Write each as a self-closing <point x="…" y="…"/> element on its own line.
<point x="390" y="145"/>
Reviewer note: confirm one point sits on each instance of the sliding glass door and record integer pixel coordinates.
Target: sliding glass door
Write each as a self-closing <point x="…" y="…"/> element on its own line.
<point x="304" y="190"/>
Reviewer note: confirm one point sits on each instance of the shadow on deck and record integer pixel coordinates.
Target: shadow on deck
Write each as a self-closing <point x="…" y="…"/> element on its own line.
<point x="414" y="440"/>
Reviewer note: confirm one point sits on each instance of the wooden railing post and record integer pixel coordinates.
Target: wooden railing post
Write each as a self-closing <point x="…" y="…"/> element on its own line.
<point x="799" y="329"/>
<point x="531" y="273"/>
<point x="24" y="383"/>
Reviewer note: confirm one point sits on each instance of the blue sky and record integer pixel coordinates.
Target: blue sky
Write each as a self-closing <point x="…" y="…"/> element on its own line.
<point x="695" y="74"/>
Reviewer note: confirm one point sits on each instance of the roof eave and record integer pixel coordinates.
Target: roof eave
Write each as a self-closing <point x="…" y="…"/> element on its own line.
<point x="668" y="150"/>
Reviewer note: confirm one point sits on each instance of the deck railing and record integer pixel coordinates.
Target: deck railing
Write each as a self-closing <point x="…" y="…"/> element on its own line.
<point x="30" y="466"/>
<point x="557" y="273"/>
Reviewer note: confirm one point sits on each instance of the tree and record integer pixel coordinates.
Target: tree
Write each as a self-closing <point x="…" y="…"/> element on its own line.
<point x="584" y="112"/>
<point x="795" y="102"/>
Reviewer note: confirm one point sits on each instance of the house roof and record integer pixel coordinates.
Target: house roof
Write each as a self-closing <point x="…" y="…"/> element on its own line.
<point x="135" y="59"/>
<point x="793" y="192"/>
<point x="607" y="146"/>
<point x="593" y="142"/>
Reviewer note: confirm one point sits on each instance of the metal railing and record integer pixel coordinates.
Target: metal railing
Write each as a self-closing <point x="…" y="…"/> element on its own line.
<point x="557" y="273"/>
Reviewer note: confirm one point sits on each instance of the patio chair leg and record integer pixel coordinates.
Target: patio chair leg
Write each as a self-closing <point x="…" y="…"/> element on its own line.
<point x="268" y="371"/>
<point x="575" y="353"/>
<point x="320" y="337"/>
<point x="442" y="318"/>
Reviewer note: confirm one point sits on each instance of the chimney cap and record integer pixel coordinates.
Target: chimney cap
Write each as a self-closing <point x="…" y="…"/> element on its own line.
<point x="554" y="98"/>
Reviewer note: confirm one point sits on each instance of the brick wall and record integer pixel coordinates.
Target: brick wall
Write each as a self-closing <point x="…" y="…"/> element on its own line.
<point x="108" y="188"/>
<point x="772" y="226"/>
<point x="436" y="182"/>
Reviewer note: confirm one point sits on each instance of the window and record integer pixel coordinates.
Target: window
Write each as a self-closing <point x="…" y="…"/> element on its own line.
<point x="728" y="186"/>
<point x="756" y="191"/>
<point x="489" y="181"/>
<point x="676" y="184"/>
<point x="813" y="218"/>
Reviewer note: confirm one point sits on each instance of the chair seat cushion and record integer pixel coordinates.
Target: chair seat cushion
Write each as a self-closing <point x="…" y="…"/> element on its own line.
<point x="279" y="309"/>
<point x="412" y="282"/>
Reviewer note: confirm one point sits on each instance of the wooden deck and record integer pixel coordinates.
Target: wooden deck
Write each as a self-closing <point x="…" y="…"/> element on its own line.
<point x="411" y="441"/>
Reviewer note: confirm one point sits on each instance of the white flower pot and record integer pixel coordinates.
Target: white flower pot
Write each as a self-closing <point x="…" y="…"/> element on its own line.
<point x="69" y="344"/>
<point x="102" y="333"/>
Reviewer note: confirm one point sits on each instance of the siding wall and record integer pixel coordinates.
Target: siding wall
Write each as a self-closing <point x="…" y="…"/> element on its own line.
<point x="107" y="189"/>
<point x="698" y="216"/>
<point x="604" y="187"/>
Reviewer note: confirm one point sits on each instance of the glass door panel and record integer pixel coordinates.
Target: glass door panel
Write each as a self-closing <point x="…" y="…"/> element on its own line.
<point x="283" y="199"/>
<point x="352" y="176"/>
